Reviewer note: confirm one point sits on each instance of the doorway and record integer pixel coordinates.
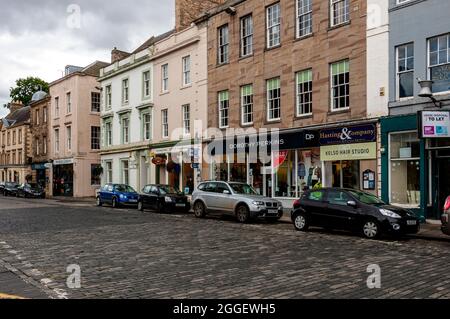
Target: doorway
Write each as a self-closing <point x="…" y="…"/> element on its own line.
<point x="346" y="174"/>
<point x="442" y="184"/>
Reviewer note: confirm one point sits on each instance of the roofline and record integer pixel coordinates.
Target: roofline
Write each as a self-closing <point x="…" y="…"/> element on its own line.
<point x="217" y="10"/>
<point x="80" y="73"/>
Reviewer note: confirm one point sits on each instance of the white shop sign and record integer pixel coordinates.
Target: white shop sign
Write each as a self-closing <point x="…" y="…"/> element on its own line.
<point x="435" y="124"/>
<point x="67" y="161"/>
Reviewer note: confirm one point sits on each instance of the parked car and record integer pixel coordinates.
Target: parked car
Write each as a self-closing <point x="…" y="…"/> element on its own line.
<point x="10" y="189"/>
<point x="353" y="210"/>
<point x="163" y="198"/>
<point x="117" y="195"/>
<point x="2" y="187"/>
<point x="237" y="199"/>
<point x="31" y="190"/>
<point x="446" y="217"/>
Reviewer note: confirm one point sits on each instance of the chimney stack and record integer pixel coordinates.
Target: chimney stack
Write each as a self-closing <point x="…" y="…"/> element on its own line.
<point x="187" y="11"/>
<point x="117" y="55"/>
<point x="15" y="105"/>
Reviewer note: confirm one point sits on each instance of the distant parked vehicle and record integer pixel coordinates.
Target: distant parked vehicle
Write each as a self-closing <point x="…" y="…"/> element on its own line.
<point x="117" y="195"/>
<point x="446" y="217"/>
<point x="237" y="199"/>
<point x="31" y="190"/>
<point x="10" y="189"/>
<point x="163" y="198"/>
<point x="2" y="187"/>
<point x="347" y="209"/>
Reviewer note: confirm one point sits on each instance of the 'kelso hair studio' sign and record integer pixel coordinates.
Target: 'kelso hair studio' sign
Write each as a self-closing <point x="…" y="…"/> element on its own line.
<point x="348" y="135"/>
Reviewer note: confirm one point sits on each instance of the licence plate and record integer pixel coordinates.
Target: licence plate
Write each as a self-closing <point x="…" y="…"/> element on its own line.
<point x="133" y="200"/>
<point x="180" y="205"/>
<point x="411" y="222"/>
<point x="273" y="211"/>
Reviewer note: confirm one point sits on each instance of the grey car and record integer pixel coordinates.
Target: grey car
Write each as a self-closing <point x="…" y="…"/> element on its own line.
<point x="237" y="199"/>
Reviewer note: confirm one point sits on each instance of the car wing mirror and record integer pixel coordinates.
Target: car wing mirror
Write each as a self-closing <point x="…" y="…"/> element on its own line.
<point x="351" y="203"/>
<point x="227" y="192"/>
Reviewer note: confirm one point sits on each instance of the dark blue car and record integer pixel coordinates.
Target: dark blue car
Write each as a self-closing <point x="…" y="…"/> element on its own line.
<point x="117" y="195"/>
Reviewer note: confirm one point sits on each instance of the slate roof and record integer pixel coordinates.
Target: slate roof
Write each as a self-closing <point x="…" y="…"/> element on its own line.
<point x="153" y="40"/>
<point x="16" y="118"/>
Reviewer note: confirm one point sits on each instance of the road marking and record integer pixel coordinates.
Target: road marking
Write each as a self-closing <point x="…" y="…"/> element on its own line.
<point x="6" y="296"/>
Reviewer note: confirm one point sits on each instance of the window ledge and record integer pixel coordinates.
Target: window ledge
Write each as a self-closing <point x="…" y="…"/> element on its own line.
<point x="337" y="26"/>
<point x="303" y="37"/>
<point x="267" y="49"/>
<point x="339" y="111"/>
<point x="187" y="86"/>
<point x="303" y="116"/>
<point x="241" y="58"/>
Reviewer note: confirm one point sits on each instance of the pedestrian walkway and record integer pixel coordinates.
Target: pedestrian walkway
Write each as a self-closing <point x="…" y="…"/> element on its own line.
<point x="13" y="287"/>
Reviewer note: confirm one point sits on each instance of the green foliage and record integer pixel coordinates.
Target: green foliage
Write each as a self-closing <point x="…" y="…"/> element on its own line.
<point x="25" y="88"/>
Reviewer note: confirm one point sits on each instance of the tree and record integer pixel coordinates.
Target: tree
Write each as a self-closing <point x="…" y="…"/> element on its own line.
<point x="25" y="88"/>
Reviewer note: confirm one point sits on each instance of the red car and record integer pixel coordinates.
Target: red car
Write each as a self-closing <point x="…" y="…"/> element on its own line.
<point x="446" y="217"/>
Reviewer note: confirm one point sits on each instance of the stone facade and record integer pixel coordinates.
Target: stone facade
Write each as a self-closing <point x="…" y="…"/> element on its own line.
<point x="326" y="45"/>
<point x="186" y="11"/>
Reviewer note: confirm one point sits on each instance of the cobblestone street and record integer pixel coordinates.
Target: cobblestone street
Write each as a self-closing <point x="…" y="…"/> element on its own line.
<point x="127" y="254"/>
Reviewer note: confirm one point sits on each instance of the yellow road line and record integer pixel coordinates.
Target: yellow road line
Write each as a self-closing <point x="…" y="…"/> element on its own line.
<point x="5" y="296"/>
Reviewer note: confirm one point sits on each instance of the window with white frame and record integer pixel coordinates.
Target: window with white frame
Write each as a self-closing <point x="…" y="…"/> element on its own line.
<point x="340" y="85"/>
<point x="439" y="62"/>
<point x="125" y="91"/>
<point x="405" y="70"/>
<point x="273" y="16"/>
<point x="44" y="114"/>
<point x="109" y="172"/>
<point x="125" y="172"/>
<point x="273" y="99"/>
<point x="223" y="45"/>
<point x="37" y="146"/>
<point x="125" y="130"/>
<point x="404" y="165"/>
<point x="340" y="12"/>
<point x="147" y="126"/>
<point x="56" y="107"/>
<point x="165" y="78"/>
<point x="246" y="36"/>
<point x="44" y="145"/>
<point x="37" y="123"/>
<point x="186" y="110"/>
<point x="69" y="137"/>
<point x="56" y="140"/>
<point x="304" y="92"/>
<point x="146" y="86"/>
<point x="224" y="108"/>
<point x="108" y="133"/>
<point x="186" y="70"/>
<point x="95" y="137"/>
<point x="165" y="123"/>
<point x="69" y="103"/>
<point x="304" y="18"/>
<point x="108" y="97"/>
<point x="95" y="102"/>
<point x="247" y="104"/>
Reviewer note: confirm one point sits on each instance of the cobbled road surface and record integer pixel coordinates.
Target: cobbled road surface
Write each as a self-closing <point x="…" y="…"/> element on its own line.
<point x="127" y="254"/>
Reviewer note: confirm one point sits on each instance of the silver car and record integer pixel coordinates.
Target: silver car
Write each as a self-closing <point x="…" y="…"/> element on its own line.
<point x="237" y="199"/>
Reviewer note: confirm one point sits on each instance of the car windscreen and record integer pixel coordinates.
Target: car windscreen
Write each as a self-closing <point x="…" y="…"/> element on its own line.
<point x="125" y="189"/>
<point x="34" y="186"/>
<point x="243" y="189"/>
<point x="367" y="198"/>
<point x="168" y="190"/>
<point x="11" y="185"/>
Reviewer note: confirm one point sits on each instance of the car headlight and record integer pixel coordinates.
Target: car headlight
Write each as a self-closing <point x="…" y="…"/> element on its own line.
<point x="168" y="199"/>
<point x="258" y="203"/>
<point x="389" y="213"/>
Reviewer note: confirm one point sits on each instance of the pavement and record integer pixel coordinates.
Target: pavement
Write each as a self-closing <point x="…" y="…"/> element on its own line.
<point x="124" y="253"/>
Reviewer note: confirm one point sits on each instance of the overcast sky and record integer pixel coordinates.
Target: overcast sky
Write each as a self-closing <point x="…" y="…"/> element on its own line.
<point x="40" y="37"/>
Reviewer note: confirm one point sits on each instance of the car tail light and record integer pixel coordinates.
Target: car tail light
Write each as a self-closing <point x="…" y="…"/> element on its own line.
<point x="447" y="204"/>
<point x="296" y="203"/>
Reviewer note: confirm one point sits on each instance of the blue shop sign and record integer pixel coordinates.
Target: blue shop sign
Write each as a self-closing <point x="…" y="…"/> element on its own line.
<point x="36" y="167"/>
<point x="348" y="135"/>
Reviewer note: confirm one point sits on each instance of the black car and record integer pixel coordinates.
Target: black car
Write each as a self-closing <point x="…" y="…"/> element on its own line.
<point x="30" y="191"/>
<point x="10" y="189"/>
<point x="353" y="210"/>
<point x="163" y="198"/>
<point x="2" y="187"/>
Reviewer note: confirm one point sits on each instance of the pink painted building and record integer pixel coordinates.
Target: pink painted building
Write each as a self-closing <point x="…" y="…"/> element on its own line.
<point x="74" y="130"/>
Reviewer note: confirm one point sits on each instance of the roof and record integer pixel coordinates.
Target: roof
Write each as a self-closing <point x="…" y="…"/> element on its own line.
<point x="153" y="40"/>
<point x="92" y="69"/>
<point x="16" y="118"/>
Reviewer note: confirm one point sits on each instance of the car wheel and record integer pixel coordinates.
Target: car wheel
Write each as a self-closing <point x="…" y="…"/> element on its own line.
<point x="140" y="206"/>
<point x="371" y="229"/>
<point x="99" y="202"/>
<point x="114" y="203"/>
<point x="242" y="214"/>
<point x="199" y="210"/>
<point x="301" y="222"/>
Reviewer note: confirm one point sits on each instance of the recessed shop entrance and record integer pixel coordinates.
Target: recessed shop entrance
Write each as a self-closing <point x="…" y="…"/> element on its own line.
<point x="346" y="174"/>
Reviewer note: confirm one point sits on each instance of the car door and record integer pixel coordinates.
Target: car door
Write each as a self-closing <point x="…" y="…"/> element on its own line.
<point x="221" y="201"/>
<point x="153" y="197"/>
<point x="108" y="194"/>
<point x="339" y="214"/>
<point x="144" y="196"/>
<point x="208" y="195"/>
<point x="314" y="204"/>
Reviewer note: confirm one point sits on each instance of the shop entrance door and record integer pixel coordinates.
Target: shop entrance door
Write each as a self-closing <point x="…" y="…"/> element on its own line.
<point x="346" y="174"/>
<point x="443" y="184"/>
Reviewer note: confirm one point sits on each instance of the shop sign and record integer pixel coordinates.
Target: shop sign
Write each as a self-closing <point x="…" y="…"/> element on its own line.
<point x="347" y="152"/>
<point x="434" y="124"/>
<point x="36" y="167"/>
<point x="67" y="161"/>
<point x="159" y="160"/>
<point x="349" y="134"/>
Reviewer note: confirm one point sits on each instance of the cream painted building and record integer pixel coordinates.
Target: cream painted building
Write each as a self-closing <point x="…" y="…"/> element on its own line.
<point x="151" y="100"/>
<point x="74" y="130"/>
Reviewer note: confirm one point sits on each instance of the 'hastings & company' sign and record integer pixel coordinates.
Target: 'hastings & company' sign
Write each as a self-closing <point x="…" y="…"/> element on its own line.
<point x="348" y="135"/>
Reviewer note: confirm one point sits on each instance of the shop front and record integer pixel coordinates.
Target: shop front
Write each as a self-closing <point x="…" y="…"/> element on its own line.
<point x="63" y="177"/>
<point x="284" y="165"/>
<point x="41" y="174"/>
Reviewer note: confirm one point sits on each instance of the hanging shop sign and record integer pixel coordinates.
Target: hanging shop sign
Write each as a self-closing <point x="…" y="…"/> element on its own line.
<point x="347" y="152"/>
<point x="434" y="124"/>
<point x="158" y="160"/>
<point x="348" y="134"/>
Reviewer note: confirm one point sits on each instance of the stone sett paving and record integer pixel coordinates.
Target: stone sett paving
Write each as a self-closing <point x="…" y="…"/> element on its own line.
<point x="127" y="254"/>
